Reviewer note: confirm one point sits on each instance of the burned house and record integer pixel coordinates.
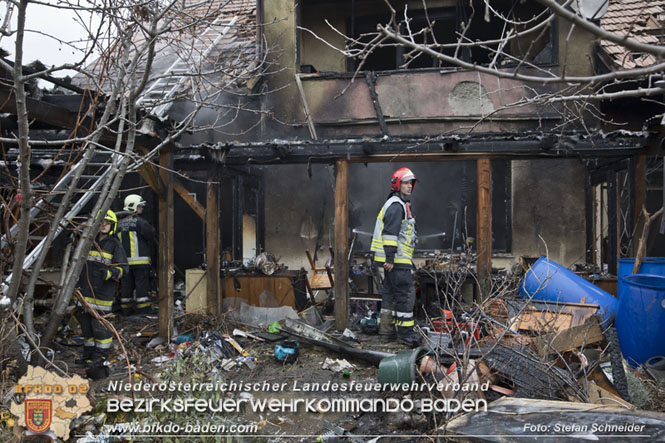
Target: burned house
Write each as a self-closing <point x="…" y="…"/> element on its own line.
<point x="316" y="103"/>
<point x="563" y="182"/>
<point x="263" y="135"/>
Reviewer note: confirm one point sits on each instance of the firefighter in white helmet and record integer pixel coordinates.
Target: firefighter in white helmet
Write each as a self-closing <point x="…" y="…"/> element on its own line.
<point x="138" y="238"/>
<point x="393" y="242"/>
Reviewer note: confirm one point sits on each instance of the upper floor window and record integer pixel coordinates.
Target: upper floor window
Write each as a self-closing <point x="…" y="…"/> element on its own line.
<point x="473" y="31"/>
<point x="392" y="56"/>
<point x="470" y="31"/>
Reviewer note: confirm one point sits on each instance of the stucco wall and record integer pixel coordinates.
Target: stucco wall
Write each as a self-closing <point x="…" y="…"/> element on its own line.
<point x="294" y="207"/>
<point x="548" y="202"/>
<point x="288" y="48"/>
<point x="575" y="49"/>
<point x="281" y="38"/>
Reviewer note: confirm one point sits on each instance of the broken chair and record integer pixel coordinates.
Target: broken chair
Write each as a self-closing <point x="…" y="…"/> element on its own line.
<point x="322" y="278"/>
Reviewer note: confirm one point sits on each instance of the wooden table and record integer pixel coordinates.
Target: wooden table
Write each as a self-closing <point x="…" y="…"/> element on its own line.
<point x="288" y="287"/>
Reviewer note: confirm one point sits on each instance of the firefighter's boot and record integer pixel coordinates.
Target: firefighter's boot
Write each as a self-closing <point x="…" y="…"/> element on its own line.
<point x="86" y="356"/>
<point x="97" y="368"/>
<point x="98" y="358"/>
<point x="406" y="335"/>
<point x="387" y="326"/>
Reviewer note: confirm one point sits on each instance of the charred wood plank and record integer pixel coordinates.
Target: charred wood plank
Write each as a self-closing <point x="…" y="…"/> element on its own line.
<point x="588" y="216"/>
<point x="612" y="222"/>
<point x="342" y="245"/>
<point x="150" y="173"/>
<point x="422" y="149"/>
<point x="46" y="113"/>
<point x="56" y="81"/>
<point x="308" y="116"/>
<point x="212" y="247"/>
<point x="370" y="78"/>
<point x="484" y="225"/>
<point x="189" y="199"/>
<point x="60" y="117"/>
<point x="639" y="195"/>
<point x="166" y="255"/>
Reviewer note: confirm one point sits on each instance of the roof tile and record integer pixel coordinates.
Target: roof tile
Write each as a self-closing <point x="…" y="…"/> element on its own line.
<point x="641" y="20"/>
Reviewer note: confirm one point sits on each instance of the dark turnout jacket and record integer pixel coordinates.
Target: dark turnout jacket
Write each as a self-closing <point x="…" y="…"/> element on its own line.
<point x="106" y="263"/>
<point x="137" y="237"/>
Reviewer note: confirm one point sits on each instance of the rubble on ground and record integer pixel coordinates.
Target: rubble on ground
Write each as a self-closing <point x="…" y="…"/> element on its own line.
<point x="478" y="364"/>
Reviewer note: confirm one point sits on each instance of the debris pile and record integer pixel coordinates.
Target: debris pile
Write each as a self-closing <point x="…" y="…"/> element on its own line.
<point x="511" y="353"/>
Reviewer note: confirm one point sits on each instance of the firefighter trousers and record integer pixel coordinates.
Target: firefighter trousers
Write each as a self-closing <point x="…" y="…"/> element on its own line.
<point x="135" y="290"/>
<point x="98" y="339"/>
<point x="398" y="295"/>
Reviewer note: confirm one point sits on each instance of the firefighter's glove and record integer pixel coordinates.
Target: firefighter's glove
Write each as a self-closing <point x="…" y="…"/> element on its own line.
<point x="115" y="274"/>
<point x="105" y="274"/>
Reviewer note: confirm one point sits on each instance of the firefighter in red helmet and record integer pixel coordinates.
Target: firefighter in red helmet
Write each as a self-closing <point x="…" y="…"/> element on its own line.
<point x="393" y="242"/>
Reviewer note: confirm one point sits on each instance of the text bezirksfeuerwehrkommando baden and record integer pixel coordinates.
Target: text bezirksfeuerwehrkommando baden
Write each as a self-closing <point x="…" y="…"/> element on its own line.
<point x="295" y="405"/>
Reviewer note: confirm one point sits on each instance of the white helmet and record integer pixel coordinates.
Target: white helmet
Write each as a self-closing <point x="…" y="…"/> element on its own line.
<point x="132" y="202"/>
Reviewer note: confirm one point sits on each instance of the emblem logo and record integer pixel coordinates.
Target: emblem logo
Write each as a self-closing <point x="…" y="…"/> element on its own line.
<point x="38" y="415"/>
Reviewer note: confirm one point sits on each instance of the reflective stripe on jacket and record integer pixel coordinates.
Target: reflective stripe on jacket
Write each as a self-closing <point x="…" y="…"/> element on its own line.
<point x="136" y="236"/>
<point x="106" y="261"/>
<point x="405" y="241"/>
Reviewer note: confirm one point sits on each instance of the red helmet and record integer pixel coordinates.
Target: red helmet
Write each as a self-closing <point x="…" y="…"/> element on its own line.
<point x="401" y="175"/>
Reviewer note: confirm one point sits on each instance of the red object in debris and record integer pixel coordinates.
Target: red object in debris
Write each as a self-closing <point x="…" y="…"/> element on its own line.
<point x="441" y="326"/>
<point x="448" y="324"/>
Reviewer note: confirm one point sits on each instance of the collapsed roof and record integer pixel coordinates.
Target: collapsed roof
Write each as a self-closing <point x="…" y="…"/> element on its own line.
<point x="640" y="20"/>
<point x="216" y="38"/>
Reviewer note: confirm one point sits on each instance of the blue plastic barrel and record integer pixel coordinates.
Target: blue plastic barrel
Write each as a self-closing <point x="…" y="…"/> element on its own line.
<point x="640" y="320"/>
<point x="549" y="281"/>
<point x="650" y="265"/>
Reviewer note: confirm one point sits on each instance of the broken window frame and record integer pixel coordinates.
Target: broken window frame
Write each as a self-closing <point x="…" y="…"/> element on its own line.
<point x="459" y="13"/>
